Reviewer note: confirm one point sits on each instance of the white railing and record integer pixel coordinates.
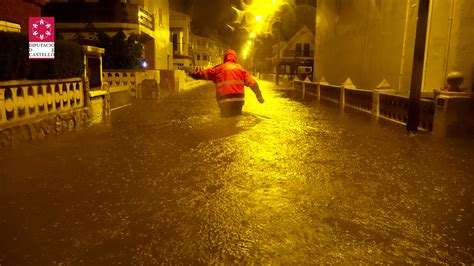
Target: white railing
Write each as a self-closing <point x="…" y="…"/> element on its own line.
<point x="122" y="86"/>
<point x="389" y="106"/>
<point x="120" y="78"/>
<point x="21" y="100"/>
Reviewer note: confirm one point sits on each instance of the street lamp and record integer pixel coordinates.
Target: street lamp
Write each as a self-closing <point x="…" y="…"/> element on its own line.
<point x="143" y="63"/>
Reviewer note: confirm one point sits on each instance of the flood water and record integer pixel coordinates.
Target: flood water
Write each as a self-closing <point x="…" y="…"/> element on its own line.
<point x="288" y="182"/>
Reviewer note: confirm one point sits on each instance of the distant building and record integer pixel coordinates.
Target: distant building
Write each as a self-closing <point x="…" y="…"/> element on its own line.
<point x="296" y="54"/>
<point x="206" y="52"/>
<point x="369" y="41"/>
<point x="180" y="30"/>
<point x="216" y="52"/>
<point x="149" y="17"/>
<point x="14" y="14"/>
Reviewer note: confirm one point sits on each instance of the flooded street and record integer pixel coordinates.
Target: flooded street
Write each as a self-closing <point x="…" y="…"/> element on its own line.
<point x="289" y="182"/>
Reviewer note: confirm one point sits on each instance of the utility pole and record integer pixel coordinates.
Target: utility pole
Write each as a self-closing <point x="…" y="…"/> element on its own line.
<point x="418" y="66"/>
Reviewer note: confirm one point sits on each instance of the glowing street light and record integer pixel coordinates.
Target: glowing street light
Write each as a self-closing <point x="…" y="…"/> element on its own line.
<point x="261" y="14"/>
<point x="249" y="42"/>
<point x="144" y="63"/>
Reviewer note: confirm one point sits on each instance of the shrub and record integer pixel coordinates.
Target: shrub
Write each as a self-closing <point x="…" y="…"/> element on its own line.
<point x="13" y="51"/>
<point x="121" y="51"/>
<point x="15" y="64"/>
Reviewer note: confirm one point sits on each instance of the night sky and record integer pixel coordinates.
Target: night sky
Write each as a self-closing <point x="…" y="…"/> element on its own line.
<point x="212" y="16"/>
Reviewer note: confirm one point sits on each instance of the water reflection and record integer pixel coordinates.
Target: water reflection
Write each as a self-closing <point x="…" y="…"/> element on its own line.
<point x="288" y="182"/>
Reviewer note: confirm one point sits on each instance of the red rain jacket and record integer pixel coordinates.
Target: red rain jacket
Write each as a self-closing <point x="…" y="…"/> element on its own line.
<point x="229" y="78"/>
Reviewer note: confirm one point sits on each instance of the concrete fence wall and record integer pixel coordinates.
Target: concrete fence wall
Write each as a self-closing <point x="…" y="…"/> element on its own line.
<point x="379" y="102"/>
<point x="33" y="109"/>
<point x="26" y="99"/>
<point x="125" y="85"/>
<point x="122" y="87"/>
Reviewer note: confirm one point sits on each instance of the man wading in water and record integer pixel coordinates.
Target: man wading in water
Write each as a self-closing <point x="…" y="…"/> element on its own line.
<point x="230" y="79"/>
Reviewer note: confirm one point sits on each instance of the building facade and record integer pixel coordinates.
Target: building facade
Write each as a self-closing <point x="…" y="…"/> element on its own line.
<point x="180" y="30"/>
<point x="296" y="56"/>
<point x="206" y="52"/>
<point x="369" y="41"/>
<point x="148" y="17"/>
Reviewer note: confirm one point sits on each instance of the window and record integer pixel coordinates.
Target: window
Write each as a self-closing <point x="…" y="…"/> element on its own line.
<point x="298" y="49"/>
<point x="204" y="57"/>
<point x="175" y="42"/>
<point x="198" y="57"/>
<point x="306" y="49"/>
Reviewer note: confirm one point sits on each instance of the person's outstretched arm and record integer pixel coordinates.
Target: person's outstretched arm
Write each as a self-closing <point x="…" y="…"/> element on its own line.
<point x="195" y="75"/>
<point x="206" y="74"/>
<point x="257" y="92"/>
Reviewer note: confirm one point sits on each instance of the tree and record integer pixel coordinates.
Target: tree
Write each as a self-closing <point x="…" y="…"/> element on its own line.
<point x="121" y="52"/>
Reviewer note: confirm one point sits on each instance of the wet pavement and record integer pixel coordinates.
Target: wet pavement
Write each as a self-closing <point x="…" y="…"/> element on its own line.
<point x="289" y="182"/>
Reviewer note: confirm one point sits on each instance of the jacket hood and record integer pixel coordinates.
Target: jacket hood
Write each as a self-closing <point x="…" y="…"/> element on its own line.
<point x="230" y="55"/>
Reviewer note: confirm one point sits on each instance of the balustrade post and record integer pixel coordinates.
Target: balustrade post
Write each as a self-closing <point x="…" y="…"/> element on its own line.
<point x="41" y="98"/>
<point x="81" y="96"/>
<point x="383" y="87"/>
<point x="72" y="96"/>
<point x="15" y="104"/>
<point x="322" y="81"/>
<point x="60" y="96"/>
<point x="346" y="85"/>
<point x="71" y="100"/>
<point x="26" y="105"/>
<point x="67" y="95"/>
<point x="52" y="95"/>
<point x="376" y="103"/>
<point x="77" y="98"/>
<point x="48" y="97"/>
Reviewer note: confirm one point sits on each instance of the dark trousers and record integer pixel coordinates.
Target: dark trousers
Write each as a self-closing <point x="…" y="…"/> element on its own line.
<point x="229" y="109"/>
